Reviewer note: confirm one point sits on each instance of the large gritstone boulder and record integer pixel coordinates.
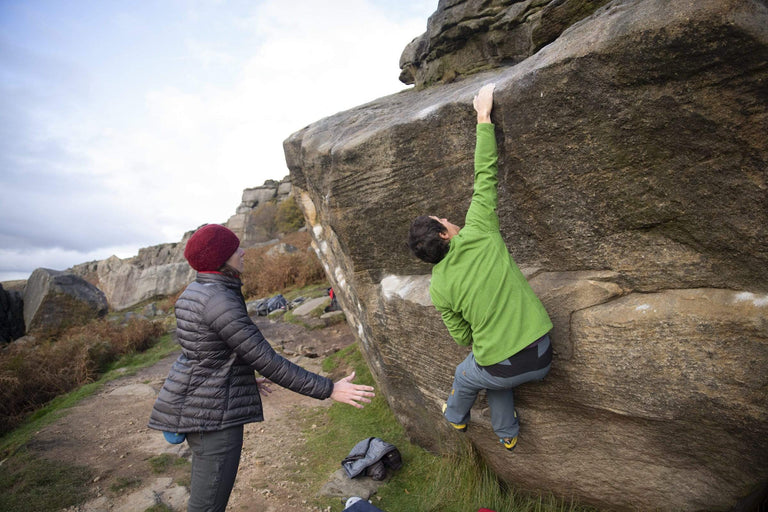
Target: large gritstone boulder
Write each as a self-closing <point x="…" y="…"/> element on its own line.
<point x="634" y="194"/>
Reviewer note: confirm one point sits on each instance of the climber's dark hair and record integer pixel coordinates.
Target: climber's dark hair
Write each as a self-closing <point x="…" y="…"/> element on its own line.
<point x="424" y="239"/>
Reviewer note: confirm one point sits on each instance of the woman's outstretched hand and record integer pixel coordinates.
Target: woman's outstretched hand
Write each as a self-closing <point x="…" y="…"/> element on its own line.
<point x="264" y="386"/>
<point x="346" y="392"/>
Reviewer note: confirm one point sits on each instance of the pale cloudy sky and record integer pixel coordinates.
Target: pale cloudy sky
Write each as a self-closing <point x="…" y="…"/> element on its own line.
<point x="124" y="124"/>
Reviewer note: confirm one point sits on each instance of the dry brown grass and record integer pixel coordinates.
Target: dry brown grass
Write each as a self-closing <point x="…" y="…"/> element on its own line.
<point x="33" y="373"/>
<point x="265" y="275"/>
<point x="169" y="302"/>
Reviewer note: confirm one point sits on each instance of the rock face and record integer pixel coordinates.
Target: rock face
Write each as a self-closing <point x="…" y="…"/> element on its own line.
<point x="252" y="233"/>
<point x="634" y="192"/>
<point x="11" y="315"/>
<point x="156" y="271"/>
<point x="127" y="284"/>
<point x="467" y="36"/>
<point x="54" y="299"/>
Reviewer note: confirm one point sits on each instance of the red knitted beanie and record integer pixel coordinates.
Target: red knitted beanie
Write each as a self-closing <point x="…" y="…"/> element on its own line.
<point x="210" y="247"/>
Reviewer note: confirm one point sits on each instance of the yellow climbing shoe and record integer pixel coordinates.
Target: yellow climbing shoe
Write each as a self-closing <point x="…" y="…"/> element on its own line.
<point x="460" y="428"/>
<point x="509" y="442"/>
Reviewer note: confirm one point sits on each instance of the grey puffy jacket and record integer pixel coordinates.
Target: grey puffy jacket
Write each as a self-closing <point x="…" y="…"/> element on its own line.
<point x="212" y="385"/>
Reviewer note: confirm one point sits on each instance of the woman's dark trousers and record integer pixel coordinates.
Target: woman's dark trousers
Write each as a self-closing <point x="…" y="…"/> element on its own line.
<point x="215" y="458"/>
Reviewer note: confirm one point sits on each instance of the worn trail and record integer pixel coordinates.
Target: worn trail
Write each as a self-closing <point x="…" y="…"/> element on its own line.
<point x="107" y="432"/>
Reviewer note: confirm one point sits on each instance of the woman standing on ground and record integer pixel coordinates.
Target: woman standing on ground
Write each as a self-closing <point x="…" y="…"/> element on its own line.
<point x="211" y="390"/>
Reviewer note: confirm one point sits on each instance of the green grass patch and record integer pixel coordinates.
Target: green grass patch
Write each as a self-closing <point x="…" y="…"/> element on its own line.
<point x="160" y="507"/>
<point x="165" y="462"/>
<point x="32" y="484"/>
<point x="122" y="485"/>
<point x="133" y="362"/>
<point x="335" y="319"/>
<point x="308" y="292"/>
<point x="427" y="482"/>
<point x="314" y="325"/>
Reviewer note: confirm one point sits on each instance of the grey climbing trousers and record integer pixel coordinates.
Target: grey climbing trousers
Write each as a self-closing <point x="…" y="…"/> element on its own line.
<point x="530" y="364"/>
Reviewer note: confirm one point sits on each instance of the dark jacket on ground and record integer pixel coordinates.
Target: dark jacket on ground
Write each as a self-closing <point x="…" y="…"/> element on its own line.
<point x="372" y="456"/>
<point x="212" y="385"/>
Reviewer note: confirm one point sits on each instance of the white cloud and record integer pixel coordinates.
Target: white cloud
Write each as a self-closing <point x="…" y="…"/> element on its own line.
<point x="15" y="263"/>
<point x="140" y="139"/>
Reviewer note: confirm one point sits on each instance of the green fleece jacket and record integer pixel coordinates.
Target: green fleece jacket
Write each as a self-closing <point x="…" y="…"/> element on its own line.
<point x="478" y="288"/>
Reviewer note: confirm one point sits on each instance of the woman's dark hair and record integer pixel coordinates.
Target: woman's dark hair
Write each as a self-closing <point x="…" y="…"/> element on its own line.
<point x="230" y="271"/>
<point x="424" y="240"/>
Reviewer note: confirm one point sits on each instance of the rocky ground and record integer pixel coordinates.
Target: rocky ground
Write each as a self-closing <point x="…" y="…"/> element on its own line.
<point x="108" y="433"/>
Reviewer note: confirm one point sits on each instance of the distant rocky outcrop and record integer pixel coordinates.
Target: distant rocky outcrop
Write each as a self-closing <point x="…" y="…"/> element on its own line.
<point x="55" y="299"/>
<point x="634" y="193"/>
<point x="156" y="271"/>
<point x="252" y="233"/>
<point x="161" y="270"/>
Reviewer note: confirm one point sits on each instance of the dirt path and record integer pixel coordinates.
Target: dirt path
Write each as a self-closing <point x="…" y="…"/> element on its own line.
<point x="108" y="433"/>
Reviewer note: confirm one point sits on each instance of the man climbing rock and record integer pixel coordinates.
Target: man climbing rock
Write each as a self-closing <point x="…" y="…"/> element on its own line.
<point x="484" y="299"/>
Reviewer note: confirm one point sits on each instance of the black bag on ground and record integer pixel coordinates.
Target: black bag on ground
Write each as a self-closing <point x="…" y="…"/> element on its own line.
<point x="276" y="302"/>
<point x="263" y="307"/>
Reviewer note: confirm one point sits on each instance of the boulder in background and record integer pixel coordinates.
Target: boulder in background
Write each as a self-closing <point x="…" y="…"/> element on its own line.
<point x="54" y="300"/>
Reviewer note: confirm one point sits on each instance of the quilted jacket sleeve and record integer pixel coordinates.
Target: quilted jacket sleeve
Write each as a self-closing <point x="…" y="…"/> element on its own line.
<point x="228" y="317"/>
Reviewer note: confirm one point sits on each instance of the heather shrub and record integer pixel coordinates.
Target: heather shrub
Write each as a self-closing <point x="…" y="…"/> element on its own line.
<point x="272" y="218"/>
<point x="35" y="372"/>
<point x="288" y="217"/>
<point x="169" y="303"/>
<point x="268" y="274"/>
